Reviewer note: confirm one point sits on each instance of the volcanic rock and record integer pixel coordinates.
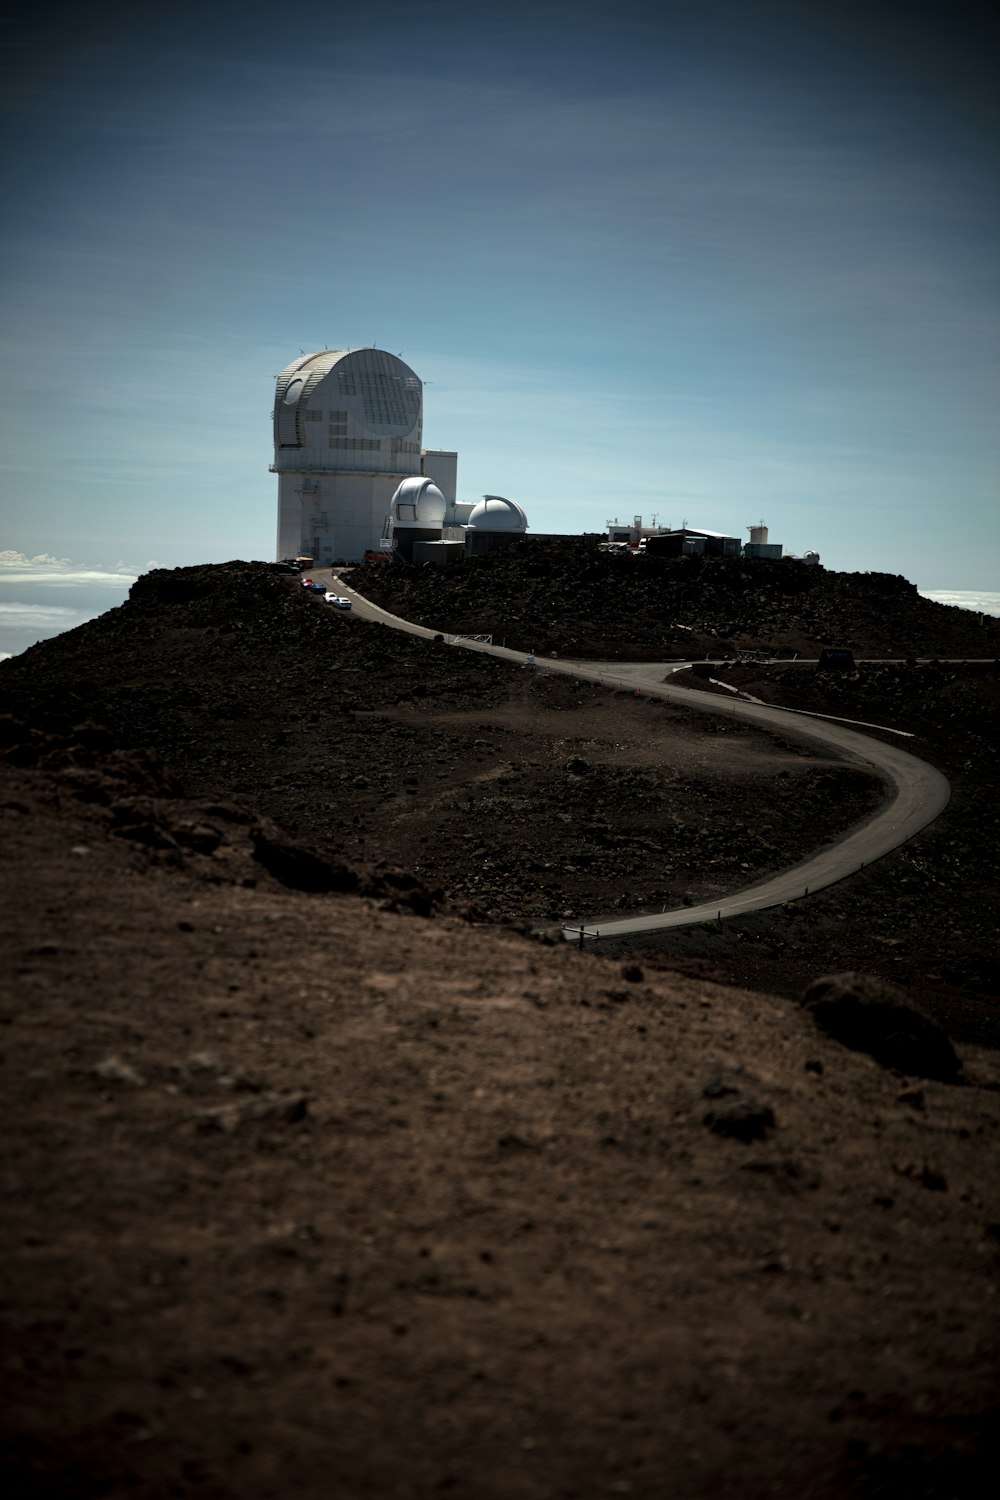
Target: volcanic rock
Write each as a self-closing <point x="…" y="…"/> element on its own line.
<point x="870" y="1015"/>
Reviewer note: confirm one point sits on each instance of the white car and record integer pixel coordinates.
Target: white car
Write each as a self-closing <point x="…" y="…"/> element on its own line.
<point x="338" y="601"/>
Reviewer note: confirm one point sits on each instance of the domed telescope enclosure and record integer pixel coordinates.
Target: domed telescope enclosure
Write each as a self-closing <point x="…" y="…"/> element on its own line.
<point x="416" y="515"/>
<point x="494" y="523"/>
<point x="348" y="426"/>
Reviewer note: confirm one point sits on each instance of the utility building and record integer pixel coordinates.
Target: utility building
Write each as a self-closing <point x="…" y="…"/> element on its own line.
<point x="347" y="430"/>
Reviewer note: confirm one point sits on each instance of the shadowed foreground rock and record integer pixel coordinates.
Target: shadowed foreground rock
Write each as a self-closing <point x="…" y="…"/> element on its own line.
<point x="870" y="1015"/>
<point x="299" y="868"/>
<point x="735" y="1113"/>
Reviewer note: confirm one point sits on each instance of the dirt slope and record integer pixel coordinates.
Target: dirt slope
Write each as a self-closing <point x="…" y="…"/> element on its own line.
<point x="314" y="1186"/>
<point x="307" y="1196"/>
<point x="540" y="800"/>
<point x="536" y="799"/>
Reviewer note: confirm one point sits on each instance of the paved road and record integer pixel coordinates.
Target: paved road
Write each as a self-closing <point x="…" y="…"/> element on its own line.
<point x="918" y="792"/>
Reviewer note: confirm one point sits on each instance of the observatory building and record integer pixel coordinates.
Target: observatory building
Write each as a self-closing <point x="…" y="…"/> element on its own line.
<point x="492" y="524"/>
<point x="347" y="429"/>
<point x="416" y="515"/>
<point x="353" y="476"/>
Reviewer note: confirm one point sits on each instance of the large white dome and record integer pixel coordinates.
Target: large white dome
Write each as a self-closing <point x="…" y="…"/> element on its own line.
<point x="418" y="502"/>
<point x="494" y="513"/>
<point x="350" y="409"/>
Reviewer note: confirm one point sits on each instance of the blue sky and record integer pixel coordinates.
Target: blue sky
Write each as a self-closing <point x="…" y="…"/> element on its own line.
<point x="710" y="261"/>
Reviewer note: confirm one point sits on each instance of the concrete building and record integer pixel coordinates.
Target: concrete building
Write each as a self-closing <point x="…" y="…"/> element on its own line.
<point x="347" y="429"/>
<point x="353" y="475"/>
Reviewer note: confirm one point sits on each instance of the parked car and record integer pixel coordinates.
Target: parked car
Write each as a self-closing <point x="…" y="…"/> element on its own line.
<point x="338" y="601"/>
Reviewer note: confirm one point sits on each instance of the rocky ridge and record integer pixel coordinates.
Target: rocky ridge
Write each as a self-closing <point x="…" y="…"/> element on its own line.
<point x="566" y="595"/>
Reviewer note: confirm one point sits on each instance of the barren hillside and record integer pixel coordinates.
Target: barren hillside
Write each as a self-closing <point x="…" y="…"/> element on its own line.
<point x="539" y="800"/>
<point x="317" y="1182"/>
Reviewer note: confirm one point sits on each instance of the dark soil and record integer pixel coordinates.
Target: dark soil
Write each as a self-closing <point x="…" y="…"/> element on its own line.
<point x="317" y="1183"/>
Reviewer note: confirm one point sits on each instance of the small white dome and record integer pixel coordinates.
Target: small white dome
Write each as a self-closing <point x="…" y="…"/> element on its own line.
<point x="418" y="502"/>
<point x="494" y="513"/>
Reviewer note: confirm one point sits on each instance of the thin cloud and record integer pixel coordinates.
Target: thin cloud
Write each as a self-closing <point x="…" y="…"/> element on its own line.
<point x="37" y="616"/>
<point x="9" y="558"/>
<point x="983" y="601"/>
<point x="43" y="568"/>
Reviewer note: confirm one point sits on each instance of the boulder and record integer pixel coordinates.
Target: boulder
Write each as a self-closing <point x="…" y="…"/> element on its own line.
<point x="870" y="1015"/>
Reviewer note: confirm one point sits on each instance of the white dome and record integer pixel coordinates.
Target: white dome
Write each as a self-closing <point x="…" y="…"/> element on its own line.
<point x="494" y="513"/>
<point x="348" y="405"/>
<point x="418" y="502"/>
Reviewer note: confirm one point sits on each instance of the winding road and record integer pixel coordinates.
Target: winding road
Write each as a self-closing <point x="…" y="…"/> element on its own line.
<point x="917" y="792"/>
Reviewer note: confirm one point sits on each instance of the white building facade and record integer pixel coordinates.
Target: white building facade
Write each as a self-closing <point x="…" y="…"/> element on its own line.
<point x="348" y="428"/>
<point x="353" y="476"/>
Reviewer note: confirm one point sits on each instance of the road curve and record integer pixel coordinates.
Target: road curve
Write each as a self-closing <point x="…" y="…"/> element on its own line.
<point x="918" y="792"/>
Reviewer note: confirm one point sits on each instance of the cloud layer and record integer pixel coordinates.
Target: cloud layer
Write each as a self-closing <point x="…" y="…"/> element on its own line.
<point x="16" y="568"/>
<point x="983" y="601"/>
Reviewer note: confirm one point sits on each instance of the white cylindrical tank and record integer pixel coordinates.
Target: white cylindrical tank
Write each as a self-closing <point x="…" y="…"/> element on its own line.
<point x="758" y="534"/>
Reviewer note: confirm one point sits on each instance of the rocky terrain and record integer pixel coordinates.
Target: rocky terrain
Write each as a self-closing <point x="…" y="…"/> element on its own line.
<point x="928" y="915"/>
<point x="524" y="795"/>
<point x="567" y="596"/>
<point x="534" y="799"/>
<point x="318" y="1181"/>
